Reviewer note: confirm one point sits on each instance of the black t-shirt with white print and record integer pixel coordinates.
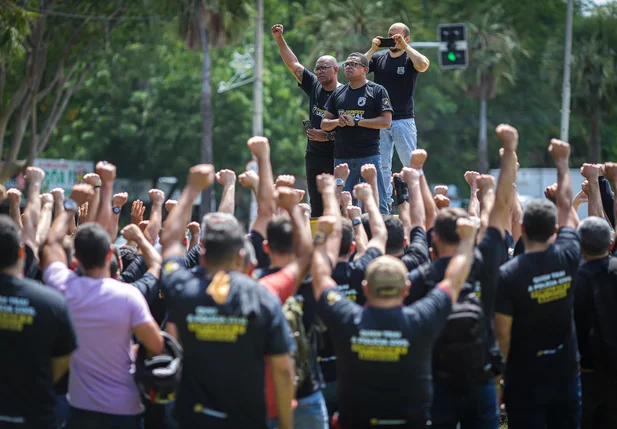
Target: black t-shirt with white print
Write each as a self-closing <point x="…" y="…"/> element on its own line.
<point x="318" y="97"/>
<point x="367" y="102"/>
<point x="537" y="290"/>
<point x="398" y="76"/>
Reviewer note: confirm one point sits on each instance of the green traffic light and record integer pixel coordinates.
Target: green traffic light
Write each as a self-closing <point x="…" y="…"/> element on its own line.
<point x="452" y="56"/>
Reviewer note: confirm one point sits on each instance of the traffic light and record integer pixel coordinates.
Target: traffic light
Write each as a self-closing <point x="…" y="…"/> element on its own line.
<point x="453" y="50"/>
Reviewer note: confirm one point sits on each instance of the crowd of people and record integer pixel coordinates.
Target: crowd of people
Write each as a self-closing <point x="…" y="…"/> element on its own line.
<point x="432" y="318"/>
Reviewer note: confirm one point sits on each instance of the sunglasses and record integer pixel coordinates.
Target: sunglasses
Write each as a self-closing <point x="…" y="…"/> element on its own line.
<point x="321" y="68"/>
<point x="353" y="64"/>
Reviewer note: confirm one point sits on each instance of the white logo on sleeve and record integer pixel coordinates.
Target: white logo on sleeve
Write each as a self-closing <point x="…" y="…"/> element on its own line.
<point x="361" y="101"/>
<point x="400" y="70"/>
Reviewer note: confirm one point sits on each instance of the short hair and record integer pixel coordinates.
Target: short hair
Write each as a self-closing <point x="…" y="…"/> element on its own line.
<point x="595" y="235"/>
<point x="386" y="277"/>
<point x="366" y="223"/>
<point x="539" y="220"/>
<point x="280" y="235"/>
<point x="9" y="242"/>
<point x="222" y="237"/>
<point x="92" y="245"/>
<point x="347" y="237"/>
<point x="445" y="224"/>
<point x="396" y="235"/>
<point x="127" y="254"/>
<point x="363" y="59"/>
<point x="406" y="31"/>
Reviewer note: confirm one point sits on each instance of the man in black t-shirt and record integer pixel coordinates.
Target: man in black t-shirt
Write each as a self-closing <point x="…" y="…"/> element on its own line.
<point x="38" y="338"/>
<point x="533" y="313"/>
<point x="225" y="321"/>
<point x="358" y="110"/>
<point x="383" y="350"/>
<point x="318" y="86"/>
<point x="397" y="70"/>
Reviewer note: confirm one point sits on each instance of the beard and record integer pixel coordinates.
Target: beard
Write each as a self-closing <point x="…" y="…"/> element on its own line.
<point x="395" y="49"/>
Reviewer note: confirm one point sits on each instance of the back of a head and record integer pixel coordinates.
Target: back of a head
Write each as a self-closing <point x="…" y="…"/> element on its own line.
<point x="92" y="245"/>
<point x="596" y="236"/>
<point x="396" y="235"/>
<point x="9" y="242"/>
<point x="445" y="224"/>
<point x="280" y="236"/>
<point x="539" y="220"/>
<point x="386" y="277"/>
<point x="347" y="237"/>
<point x="222" y="237"/>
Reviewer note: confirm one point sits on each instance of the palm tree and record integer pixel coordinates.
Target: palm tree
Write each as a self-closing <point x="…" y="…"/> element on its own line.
<point x="493" y="46"/>
<point x="594" y="78"/>
<point x="210" y="24"/>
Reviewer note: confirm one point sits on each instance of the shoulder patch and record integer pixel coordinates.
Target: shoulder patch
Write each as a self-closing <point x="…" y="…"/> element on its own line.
<point x="170" y="267"/>
<point x="333" y="297"/>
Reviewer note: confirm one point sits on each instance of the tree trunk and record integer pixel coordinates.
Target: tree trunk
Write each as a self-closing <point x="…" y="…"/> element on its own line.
<point x="206" y="115"/>
<point x="594" y="141"/>
<point x="482" y="142"/>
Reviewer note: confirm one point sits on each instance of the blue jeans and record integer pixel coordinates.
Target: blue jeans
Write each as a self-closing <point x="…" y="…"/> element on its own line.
<point x="311" y="413"/>
<point x="554" y="405"/>
<point x="355" y="164"/>
<point x="82" y="419"/>
<point x="475" y="409"/>
<point x="403" y="135"/>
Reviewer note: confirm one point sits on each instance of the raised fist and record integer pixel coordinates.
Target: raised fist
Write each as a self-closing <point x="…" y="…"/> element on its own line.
<point x="226" y="177"/>
<point x="591" y="171"/>
<point x="82" y="193"/>
<point x="325" y="182"/>
<point x="508" y="135"/>
<point x="484" y="182"/>
<point x="131" y="232"/>
<point x="46" y="198"/>
<point x="194" y="228"/>
<point x="286" y="180"/>
<point x="92" y="179"/>
<point x="137" y="212"/>
<point x="470" y="177"/>
<point x="170" y="205"/>
<point x="410" y="175"/>
<point x="106" y="171"/>
<point x="440" y="190"/>
<point x="368" y="172"/>
<point x="610" y="171"/>
<point x="441" y="201"/>
<point x="559" y="150"/>
<point x="418" y="158"/>
<point x="82" y="216"/>
<point x="156" y="196"/>
<point x="345" y="199"/>
<point x="277" y="31"/>
<point x="34" y="175"/>
<point x="326" y="224"/>
<point x="286" y="198"/>
<point x="58" y="194"/>
<point x="259" y="146"/>
<point x="363" y="192"/>
<point x="120" y="199"/>
<point x="354" y="212"/>
<point x="201" y="176"/>
<point x="341" y="171"/>
<point x="550" y="192"/>
<point x="14" y="195"/>
<point x="249" y="179"/>
<point x="465" y="228"/>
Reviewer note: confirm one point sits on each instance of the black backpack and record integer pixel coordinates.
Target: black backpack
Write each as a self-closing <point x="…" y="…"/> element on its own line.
<point x="460" y="354"/>
<point x="602" y="341"/>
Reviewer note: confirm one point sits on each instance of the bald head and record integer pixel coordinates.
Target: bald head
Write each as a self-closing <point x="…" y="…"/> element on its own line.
<point x="386" y="277"/>
<point x="327" y="60"/>
<point x="398" y="28"/>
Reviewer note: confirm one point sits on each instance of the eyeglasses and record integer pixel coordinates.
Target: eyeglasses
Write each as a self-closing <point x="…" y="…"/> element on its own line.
<point x="321" y="68"/>
<point x="352" y="64"/>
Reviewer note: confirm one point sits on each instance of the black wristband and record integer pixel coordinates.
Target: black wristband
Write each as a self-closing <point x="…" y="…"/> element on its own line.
<point x="401" y="190"/>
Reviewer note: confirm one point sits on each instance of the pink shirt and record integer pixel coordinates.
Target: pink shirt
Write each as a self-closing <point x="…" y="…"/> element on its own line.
<point x="104" y="312"/>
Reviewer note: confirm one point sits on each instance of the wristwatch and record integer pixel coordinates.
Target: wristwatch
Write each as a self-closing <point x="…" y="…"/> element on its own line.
<point x="320" y="238"/>
<point x="116" y="210"/>
<point x="70" y="206"/>
<point x="340" y="182"/>
<point x="356" y="222"/>
<point x="355" y="122"/>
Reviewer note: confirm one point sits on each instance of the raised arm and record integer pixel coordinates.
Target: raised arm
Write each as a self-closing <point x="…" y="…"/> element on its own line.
<point x="500" y="214"/>
<point x="156" y="215"/>
<point x="474" y="203"/>
<point x="460" y="264"/>
<point x="561" y="154"/>
<point x="610" y="172"/>
<point x="153" y="259"/>
<point x="34" y="177"/>
<point x="260" y="148"/>
<point x="592" y="173"/>
<point x="417" y="213"/>
<point x="227" y="178"/>
<point x="322" y="264"/>
<point x="326" y="185"/>
<point x="118" y="201"/>
<point x="290" y="59"/>
<point x="418" y="158"/>
<point x="93" y="180"/>
<point x="47" y="202"/>
<point x="364" y="193"/>
<point x="369" y="173"/>
<point x="200" y="177"/>
<point x="107" y="173"/>
<point x="14" y="196"/>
